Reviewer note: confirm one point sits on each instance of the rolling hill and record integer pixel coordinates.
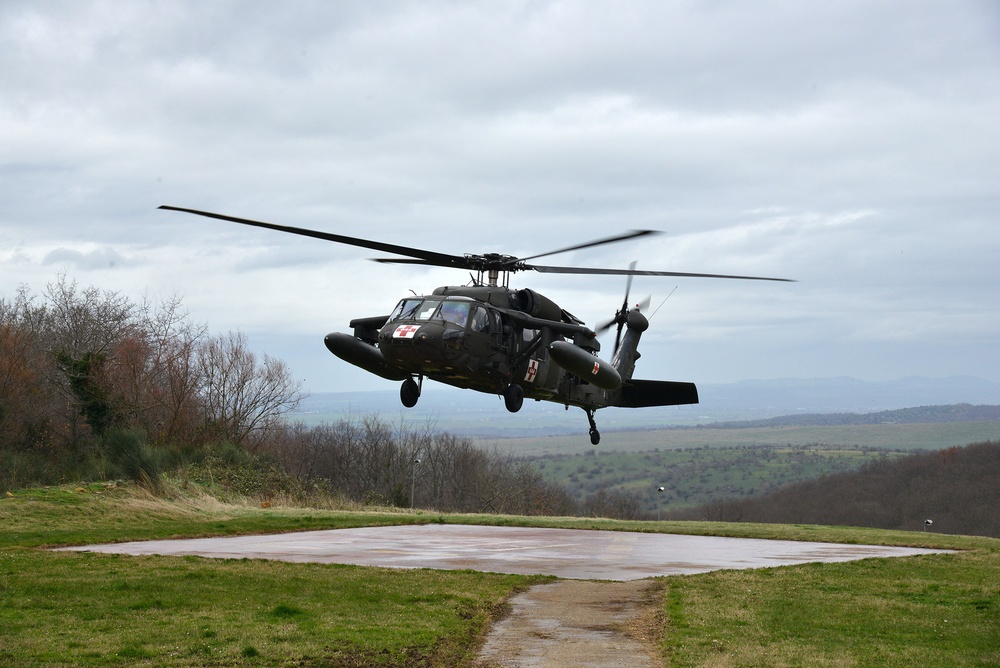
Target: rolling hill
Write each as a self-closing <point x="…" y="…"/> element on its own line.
<point x="956" y="488"/>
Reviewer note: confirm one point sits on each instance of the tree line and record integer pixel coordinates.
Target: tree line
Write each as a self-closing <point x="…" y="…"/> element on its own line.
<point x="372" y="461"/>
<point x="77" y="364"/>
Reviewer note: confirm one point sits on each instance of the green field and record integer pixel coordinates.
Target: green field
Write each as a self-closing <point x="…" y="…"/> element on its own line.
<point x="59" y="608"/>
<point x="695" y="476"/>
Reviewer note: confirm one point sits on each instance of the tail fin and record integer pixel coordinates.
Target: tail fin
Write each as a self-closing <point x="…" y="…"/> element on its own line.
<point x="644" y="393"/>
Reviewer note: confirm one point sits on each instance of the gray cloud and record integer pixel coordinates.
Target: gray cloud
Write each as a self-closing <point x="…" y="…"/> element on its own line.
<point x="96" y="259"/>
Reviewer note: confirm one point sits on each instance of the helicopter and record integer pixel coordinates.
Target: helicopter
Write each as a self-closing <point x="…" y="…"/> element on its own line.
<point x="491" y="338"/>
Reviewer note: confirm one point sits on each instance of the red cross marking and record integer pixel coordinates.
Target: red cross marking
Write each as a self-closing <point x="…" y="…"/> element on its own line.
<point x="532" y="371"/>
<point x="405" y="331"/>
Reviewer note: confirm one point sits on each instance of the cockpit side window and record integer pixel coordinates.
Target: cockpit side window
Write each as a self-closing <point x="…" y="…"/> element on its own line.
<point x="480" y="321"/>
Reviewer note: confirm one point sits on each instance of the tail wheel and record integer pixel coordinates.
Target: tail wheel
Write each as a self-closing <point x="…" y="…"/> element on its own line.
<point x="513" y="398"/>
<point x="595" y="436"/>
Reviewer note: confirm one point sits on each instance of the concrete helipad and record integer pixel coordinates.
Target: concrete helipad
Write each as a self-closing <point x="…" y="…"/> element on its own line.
<point x="566" y="553"/>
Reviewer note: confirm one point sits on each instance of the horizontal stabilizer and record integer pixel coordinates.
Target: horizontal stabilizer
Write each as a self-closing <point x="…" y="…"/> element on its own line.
<point x="644" y="393"/>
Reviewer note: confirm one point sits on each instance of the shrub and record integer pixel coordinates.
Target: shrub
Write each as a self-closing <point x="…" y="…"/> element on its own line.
<point x="130" y="457"/>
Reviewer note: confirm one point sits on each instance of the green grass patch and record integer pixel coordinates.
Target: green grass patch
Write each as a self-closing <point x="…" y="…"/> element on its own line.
<point x="62" y="608"/>
<point x="88" y="609"/>
<point x="934" y="610"/>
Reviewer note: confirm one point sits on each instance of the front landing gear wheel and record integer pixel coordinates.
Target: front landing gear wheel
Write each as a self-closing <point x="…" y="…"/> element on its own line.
<point x="409" y="393"/>
<point x="513" y="398"/>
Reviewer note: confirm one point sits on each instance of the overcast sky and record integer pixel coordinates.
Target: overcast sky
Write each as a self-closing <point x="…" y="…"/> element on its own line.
<point x="853" y="146"/>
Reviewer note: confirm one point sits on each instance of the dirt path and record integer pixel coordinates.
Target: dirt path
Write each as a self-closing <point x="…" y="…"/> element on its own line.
<point x="576" y="623"/>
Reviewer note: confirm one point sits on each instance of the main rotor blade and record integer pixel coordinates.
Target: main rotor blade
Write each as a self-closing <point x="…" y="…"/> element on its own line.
<point x="476" y="262"/>
<point x="401" y="260"/>
<point x="642" y="272"/>
<point x="429" y="257"/>
<point x="590" y="244"/>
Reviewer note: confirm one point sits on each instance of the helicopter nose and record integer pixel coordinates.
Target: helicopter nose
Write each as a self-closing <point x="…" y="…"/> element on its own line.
<point x="422" y="347"/>
<point x="363" y="355"/>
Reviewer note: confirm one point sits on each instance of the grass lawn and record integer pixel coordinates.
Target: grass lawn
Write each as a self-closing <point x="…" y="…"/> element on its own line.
<point x="935" y="610"/>
<point x="85" y="609"/>
<point x="59" y="608"/>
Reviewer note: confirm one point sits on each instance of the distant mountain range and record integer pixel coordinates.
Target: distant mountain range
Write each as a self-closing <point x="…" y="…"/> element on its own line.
<point x="475" y="414"/>
<point x="843" y="394"/>
<point x="916" y="415"/>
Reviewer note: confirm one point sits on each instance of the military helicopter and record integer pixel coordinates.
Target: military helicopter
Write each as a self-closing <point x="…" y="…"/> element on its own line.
<point x="489" y="337"/>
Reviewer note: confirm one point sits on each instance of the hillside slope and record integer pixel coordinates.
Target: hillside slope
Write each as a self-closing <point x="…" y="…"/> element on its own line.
<point x="956" y="488"/>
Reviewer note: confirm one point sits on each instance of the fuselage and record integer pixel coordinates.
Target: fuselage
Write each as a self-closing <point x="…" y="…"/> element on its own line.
<point x="480" y="338"/>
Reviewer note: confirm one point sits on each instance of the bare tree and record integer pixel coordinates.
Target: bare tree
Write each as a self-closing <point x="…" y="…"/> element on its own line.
<point x="154" y="372"/>
<point x="86" y="321"/>
<point x="368" y="460"/>
<point x="614" y="504"/>
<point x="243" y="396"/>
<point x="22" y="414"/>
<point x="80" y="327"/>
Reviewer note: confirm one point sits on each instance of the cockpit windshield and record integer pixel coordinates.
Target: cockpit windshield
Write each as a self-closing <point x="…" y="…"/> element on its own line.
<point x="433" y="309"/>
<point x="405" y="309"/>
<point x="426" y="309"/>
<point x="456" y="312"/>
